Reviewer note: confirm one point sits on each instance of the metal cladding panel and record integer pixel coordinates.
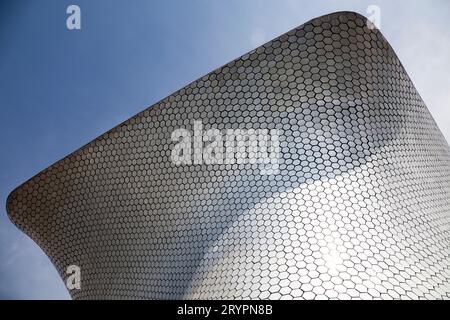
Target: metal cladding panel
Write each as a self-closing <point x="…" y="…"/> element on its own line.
<point x="359" y="208"/>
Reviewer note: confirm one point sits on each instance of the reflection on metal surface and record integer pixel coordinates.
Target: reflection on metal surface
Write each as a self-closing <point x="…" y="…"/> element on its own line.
<point x="359" y="206"/>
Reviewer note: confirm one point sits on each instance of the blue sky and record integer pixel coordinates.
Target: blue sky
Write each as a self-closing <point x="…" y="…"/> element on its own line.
<point x="59" y="89"/>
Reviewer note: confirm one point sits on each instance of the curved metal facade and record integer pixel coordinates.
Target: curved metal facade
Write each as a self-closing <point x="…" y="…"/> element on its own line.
<point x="360" y="206"/>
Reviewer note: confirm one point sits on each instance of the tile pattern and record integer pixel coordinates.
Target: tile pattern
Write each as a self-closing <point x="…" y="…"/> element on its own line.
<point x="359" y="209"/>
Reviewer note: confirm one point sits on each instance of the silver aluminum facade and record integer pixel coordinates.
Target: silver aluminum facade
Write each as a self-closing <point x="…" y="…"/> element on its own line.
<point x="359" y="209"/>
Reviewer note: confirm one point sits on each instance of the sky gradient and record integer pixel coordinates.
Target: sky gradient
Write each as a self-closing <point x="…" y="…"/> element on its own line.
<point x="60" y="89"/>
